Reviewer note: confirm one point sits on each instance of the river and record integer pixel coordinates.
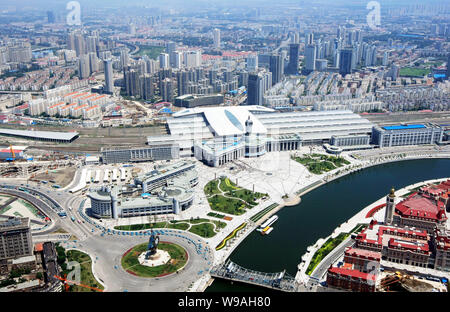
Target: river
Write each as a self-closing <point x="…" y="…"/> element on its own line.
<point x="320" y="212"/>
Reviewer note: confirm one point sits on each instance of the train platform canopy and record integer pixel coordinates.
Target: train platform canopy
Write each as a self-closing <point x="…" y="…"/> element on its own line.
<point x="41" y="135"/>
<point x="228" y="120"/>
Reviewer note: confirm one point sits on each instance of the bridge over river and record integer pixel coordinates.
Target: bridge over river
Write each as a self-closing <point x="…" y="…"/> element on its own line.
<point x="279" y="281"/>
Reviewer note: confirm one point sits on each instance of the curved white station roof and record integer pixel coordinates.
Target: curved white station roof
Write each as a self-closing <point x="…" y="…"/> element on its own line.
<point x="228" y="120"/>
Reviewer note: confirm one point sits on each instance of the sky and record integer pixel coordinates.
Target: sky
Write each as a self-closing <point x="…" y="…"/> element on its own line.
<point x="109" y="3"/>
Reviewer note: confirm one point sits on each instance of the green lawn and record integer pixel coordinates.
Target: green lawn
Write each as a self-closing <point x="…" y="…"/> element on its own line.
<point x="260" y="214"/>
<point x="414" y="72"/>
<point x="216" y="215"/>
<point x="211" y="188"/>
<point x="227" y="205"/>
<point x="178" y="260"/>
<point x="219" y="224"/>
<point x="326" y="248"/>
<point x="151" y="51"/>
<point x="204" y="230"/>
<point x="318" y="163"/>
<point x="87" y="278"/>
<point x="137" y="227"/>
<point x="234" y="205"/>
<point x="246" y="195"/>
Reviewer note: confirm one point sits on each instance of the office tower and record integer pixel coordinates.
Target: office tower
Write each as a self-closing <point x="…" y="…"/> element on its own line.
<point x="132" y="83"/>
<point x="336" y="59"/>
<point x="192" y="59"/>
<point x="386" y="58"/>
<point x="124" y="59"/>
<point x="393" y="72"/>
<point x="358" y="36"/>
<point x="51" y="17"/>
<point x="310" y="58"/>
<point x="373" y="56"/>
<point x="91" y="44"/>
<point x="164" y="61"/>
<point x="255" y="89"/>
<point x="70" y="41"/>
<point x="212" y="76"/>
<point x="167" y="90"/>
<point x="309" y="38"/>
<point x="200" y="74"/>
<point x="84" y="68"/>
<point x="109" y="80"/>
<point x="79" y="44"/>
<point x="345" y="61"/>
<point x="340" y="32"/>
<point x="147" y="89"/>
<point x="182" y="82"/>
<point x="15" y="239"/>
<point x="93" y="62"/>
<point x="276" y="68"/>
<point x="227" y="76"/>
<point x="355" y="51"/>
<point x="170" y="47"/>
<point x="252" y="63"/>
<point x="243" y="79"/>
<point x="350" y="37"/>
<point x="176" y="59"/>
<point x="296" y="37"/>
<point x="216" y="38"/>
<point x="152" y="66"/>
<point x="132" y="29"/>
<point x="105" y="55"/>
<point x="164" y="73"/>
<point x="292" y="67"/>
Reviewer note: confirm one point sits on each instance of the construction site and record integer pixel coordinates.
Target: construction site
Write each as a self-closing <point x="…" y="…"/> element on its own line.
<point x="20" y="162"/>
<point x="403" y="282"/>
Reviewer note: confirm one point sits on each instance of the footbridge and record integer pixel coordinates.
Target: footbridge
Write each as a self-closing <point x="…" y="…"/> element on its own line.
<point x="231" y="271"/>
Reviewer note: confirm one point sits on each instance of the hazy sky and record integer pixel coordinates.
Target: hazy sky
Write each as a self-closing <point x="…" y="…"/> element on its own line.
<point x="41" y="3"/>
<point x="60" y="4"/>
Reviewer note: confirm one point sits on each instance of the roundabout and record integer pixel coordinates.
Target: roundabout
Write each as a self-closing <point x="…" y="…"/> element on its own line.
<point x="168" y="259"/>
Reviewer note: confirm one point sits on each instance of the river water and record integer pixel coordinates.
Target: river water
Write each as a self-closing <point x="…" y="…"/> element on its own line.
<point x="320" y="212"/>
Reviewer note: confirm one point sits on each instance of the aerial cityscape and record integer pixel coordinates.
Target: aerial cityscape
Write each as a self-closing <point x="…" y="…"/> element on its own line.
<point x="210" y="146"/>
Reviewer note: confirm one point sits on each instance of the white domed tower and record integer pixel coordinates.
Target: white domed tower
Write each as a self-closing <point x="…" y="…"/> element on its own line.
<point x="390" y="206"/>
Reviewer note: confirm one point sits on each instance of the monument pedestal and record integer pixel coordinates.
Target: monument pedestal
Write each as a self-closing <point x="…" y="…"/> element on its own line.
<point x="159" y="258"/>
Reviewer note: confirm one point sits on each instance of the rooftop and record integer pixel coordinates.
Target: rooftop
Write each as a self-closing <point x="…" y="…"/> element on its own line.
<point x="351" y="273"/>
<point x="423" y="206"/>
<point x="404" y="127"/>
<point x="66" y="136"/>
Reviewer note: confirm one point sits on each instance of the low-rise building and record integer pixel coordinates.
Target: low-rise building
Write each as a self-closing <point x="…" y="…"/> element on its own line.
<point x="351" y="279"/>
<point x="401" y="135"/>
<point x="165" y="190"/>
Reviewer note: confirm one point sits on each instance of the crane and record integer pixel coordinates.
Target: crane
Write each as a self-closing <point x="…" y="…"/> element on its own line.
<point x="67" y="282"/>
<point x="13" y="154"/>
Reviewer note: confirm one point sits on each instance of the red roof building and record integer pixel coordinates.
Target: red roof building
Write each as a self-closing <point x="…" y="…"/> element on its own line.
<point x="424" y="209"/>
<point x="361" y="259"/>
<point x="351" y="279"/>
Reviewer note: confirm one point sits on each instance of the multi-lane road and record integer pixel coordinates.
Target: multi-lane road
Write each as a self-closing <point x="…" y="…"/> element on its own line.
<point x="106" y="249"/>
